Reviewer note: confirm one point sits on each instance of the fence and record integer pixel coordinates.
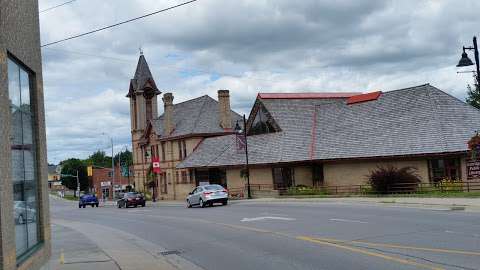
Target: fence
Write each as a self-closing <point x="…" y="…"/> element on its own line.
<point x="400" y="188"/>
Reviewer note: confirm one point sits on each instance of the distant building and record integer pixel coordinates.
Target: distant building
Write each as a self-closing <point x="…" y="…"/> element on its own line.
<point x="54" y="182"/>
<point x="24" y="218"/>
<point x="172" y="136"/>
<point x="322" y="139"/>
<point x="106" y="186"/>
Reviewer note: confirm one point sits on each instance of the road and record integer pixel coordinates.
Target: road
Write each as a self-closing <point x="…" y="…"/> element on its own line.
<point x="275" y="236"/>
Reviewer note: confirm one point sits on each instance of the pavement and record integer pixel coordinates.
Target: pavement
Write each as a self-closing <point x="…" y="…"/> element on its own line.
<point x="271" y="234"/>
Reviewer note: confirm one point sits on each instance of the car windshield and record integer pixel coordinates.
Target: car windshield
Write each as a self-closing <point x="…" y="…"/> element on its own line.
<point x="132" y="195"/>
<point x="213" y="187"/>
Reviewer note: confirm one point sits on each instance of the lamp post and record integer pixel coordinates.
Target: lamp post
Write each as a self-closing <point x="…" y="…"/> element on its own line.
<point x="239" y="132"/>
<point x="465" y="61"/>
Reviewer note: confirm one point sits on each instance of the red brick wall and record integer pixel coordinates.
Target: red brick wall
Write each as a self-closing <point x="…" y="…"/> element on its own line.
<point x="101" y="175"/>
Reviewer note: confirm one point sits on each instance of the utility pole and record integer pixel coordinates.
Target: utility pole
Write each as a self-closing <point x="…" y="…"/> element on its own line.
<point x="249" y="195"/>
<point x="78" y="185"/>
<point x="113" y="171"/>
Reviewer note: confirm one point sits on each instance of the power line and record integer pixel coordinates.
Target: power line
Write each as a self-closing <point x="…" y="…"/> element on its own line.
<point x="50" y="8"/>
<point x="117" y="24"/>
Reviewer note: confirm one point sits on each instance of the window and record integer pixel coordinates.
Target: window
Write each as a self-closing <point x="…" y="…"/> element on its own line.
<point x="282" y="177"/>
<point x="262" y="123"/>
<point x="24" y="160"/>
<point x="110" y="173"/>
<point x="180" y="152"/>
<point x="184" y="149"/>
<point x="176" y="177"/>
<point x="184" y="177"/>
<point x="152" y="150"/>
<point x="163" y="151"/>
<point x="444" y="168"/>
<point x="191" y="176"/>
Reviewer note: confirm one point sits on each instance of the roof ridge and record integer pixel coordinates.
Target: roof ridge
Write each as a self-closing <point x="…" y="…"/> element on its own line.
<point x="406" y="88"/>
<point x="434" y="115"/>
<point x="199" y="115"/>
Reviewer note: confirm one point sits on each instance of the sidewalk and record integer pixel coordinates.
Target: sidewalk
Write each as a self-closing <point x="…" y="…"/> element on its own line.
<point x="71" y="250"/>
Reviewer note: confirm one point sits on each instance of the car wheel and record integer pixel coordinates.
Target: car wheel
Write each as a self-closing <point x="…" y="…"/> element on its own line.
<point x="202" y="204"/>
<point x="96" y="204"/>
<point x="136" y="205"/>
<point x="143" y="204"/>
<point x="79" y="206"/>
<point x="93" y="205"/>
<point x="119" y="205"/>
<point x="188" y="204"/>
<point x="225" y="203"/>
<point x="84" y="206"/>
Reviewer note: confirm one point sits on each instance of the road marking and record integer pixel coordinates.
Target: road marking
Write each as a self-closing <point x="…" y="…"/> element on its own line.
<point x="263" y="218"/>
<point x="347" y="220"/>
<point x="369" y="253"/>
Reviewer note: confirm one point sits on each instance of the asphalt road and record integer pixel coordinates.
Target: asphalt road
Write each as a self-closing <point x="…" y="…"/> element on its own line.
<point x="297" y="235"/>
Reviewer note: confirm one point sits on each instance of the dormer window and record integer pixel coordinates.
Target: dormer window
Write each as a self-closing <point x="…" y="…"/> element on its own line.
<point x="263" y="122"/>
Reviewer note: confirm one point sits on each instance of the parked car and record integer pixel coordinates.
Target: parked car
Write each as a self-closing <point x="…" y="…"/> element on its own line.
<point x="207" y="195"/>
<point x="88" y="199"/>
<point x="131" y="199"/>
<point x="24" y="213"/>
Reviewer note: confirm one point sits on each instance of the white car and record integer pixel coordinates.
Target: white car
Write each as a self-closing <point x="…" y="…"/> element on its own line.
<point x="24" y="213"/>
<point x="207" y="195"/>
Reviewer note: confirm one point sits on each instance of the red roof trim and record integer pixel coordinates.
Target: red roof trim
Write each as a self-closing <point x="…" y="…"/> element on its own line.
<point x="364" y="97"/>
<point x="307" y="95"/>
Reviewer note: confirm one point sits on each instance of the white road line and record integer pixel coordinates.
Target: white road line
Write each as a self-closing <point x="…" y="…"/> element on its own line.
<point x="263" y="218"/>
<point x="347" y="220"/>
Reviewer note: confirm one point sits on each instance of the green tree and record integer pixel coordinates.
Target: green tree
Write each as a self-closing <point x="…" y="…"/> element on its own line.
<point x="99" y="158"/>
<point x="125" y="158"/>
<point x="70" y="167"/>
<point x="473" y="93"/>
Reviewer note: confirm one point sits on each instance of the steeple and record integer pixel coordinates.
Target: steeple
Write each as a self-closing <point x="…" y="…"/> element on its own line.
<point x="143" y="96"/>
<point x="142" y="80"/>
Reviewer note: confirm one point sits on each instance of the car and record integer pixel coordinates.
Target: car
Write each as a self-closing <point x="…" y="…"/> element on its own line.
<point x="87" y="199"/>
<point x="24" y="212"/>
<point x="207" y="195"/>
<point x="131" y="199"/>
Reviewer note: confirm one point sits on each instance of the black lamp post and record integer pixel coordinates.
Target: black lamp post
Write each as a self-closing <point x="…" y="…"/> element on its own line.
<point x="239" y="132"/>
<point x="465" y="61"/>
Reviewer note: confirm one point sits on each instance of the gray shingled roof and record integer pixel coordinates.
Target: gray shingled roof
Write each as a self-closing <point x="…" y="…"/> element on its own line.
<point x="410" y="121"/>
<point x="142" y="75"/>
<point x="196" y="116"/>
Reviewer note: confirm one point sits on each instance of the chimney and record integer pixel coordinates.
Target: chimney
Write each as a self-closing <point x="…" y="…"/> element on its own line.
<point x="167" y="113"/>
<point x="224" y="109"/>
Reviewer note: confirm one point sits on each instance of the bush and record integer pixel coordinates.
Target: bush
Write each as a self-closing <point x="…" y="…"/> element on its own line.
<point x="389" y="179"/>
<point x="304" y="190"/>
<point x="451" y="185"/>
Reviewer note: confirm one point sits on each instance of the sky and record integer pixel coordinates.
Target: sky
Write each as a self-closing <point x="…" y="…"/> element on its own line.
<point x="246" y="46"/>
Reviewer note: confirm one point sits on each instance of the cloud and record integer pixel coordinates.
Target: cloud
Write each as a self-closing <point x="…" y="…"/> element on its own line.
<point x="247" y="46"/>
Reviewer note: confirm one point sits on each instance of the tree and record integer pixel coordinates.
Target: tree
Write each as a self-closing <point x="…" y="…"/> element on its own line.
<point x="70" y="167"/>
<point x="100" y="159"/>
<point x="125" y="158"/>
<point x="473" y="93"/>
<point x="388" y="179"/>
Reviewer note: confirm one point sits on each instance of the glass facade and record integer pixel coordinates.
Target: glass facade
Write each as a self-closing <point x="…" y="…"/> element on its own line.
<point x="24" y="176"/>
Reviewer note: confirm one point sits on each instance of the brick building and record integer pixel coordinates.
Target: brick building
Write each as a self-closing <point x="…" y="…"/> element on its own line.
<point x="105" y="186"/>
<point x="24" y="213"/>
<point x="172" y="136"/>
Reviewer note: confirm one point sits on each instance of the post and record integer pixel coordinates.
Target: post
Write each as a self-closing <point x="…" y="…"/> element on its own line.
<point x="113" y="171"/>
<point x="78" y="185"/>
<point x="475" y="51"/>
<point x="249" y="195"/>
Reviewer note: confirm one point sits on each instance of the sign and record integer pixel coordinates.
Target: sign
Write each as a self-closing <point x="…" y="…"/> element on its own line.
<point x="90" y="171"/>
<point x="156" y="165"/>
<point x="105" y="184"/>
<point x="473" y="169"/>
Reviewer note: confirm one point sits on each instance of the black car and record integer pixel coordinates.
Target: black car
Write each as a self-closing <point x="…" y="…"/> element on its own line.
<point x="131" y="199"/>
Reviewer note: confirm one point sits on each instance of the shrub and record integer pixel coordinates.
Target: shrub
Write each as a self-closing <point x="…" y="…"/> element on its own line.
<point x="304" y="190"/>
<point x="451" y="185"/>
<point x="388" y="179"/>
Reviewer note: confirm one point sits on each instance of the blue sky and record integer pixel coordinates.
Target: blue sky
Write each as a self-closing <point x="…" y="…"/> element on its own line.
<point x="246" y="46"/>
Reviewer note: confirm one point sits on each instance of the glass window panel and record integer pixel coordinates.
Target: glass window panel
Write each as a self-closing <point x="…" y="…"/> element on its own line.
<point x="24" y="88"/>
<point x="23" y="159"/>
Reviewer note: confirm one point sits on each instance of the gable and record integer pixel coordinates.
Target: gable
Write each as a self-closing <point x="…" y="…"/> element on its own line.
<point x="261" y="121"/>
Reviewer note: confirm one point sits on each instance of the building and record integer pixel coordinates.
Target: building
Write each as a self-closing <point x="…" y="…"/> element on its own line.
<point x="105" y="186"/>
<point x="24" y="215"/>
<point x="54" y="182"/>
<point x="172" y="136"/>
<point x="336" y="139"/>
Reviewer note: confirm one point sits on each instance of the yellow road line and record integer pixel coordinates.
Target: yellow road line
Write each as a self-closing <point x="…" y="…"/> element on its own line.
<point x="369" y="253"/>
<point x="395" y="246"/>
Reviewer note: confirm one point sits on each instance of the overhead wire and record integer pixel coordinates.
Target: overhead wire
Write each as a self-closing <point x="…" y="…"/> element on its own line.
<point x="57" y="6"/>
<point x="117" y="24"/>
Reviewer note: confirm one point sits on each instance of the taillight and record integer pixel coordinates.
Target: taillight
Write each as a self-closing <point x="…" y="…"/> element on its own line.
<point x="225" y="190"/>
<point x="207" y="192"/>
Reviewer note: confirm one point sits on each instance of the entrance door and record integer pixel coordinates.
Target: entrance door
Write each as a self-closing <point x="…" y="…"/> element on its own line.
<point x="282" y="177"/>
<point x="106" y="193"/>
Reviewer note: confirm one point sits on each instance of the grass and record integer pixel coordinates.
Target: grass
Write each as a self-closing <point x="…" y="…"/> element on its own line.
<point x="430" y="194"/>
<point x="66" y="197"/>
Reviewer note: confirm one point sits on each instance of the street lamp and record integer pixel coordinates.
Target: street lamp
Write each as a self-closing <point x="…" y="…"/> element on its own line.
<point x="465" y="61"/>
<point x="243" y="133"/>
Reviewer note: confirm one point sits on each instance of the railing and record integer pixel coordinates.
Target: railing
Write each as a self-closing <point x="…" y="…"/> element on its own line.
<point x="400" y="188"/>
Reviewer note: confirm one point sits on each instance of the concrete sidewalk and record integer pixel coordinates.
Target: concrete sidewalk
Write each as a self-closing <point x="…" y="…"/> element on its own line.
<point x="80" y="245"/>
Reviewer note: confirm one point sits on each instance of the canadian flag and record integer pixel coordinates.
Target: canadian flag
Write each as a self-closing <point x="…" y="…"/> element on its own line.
<point x="156" y="165"/>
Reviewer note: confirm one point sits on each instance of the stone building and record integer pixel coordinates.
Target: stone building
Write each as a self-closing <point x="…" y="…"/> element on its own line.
<point x="172" y="136"/>
<point x="336" y="139"/>
<point x="24" y="213"/>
